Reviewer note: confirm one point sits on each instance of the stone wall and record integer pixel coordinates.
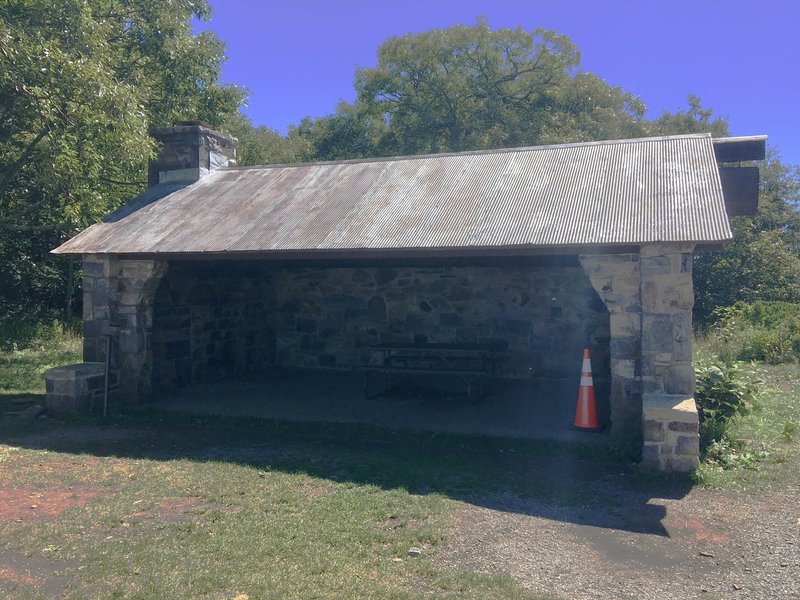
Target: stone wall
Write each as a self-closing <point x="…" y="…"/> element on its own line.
<point x="118" y="301"/>
<point x="649" y="295"/>
<point x="545" y="314"/>
<point x="617" y="280"/>
<point x="211" y="321"/>
<point x="74" y="389"/>
<point x="216" y="320"/>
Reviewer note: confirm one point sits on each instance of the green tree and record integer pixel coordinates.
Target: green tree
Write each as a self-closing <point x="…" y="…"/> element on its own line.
<point x="587" y="108"/>
<point x="350" y="132"/>
<point x="763" y="260"/>
<point x="81" y="81"/>
<point x="695" y="119"/>
<point x="464" y="87"/>
<point x="262" y="145"/>
<point x="472" y="87"/>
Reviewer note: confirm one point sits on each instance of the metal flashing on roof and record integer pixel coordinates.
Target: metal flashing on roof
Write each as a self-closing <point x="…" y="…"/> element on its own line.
<point x="624" y="192"/>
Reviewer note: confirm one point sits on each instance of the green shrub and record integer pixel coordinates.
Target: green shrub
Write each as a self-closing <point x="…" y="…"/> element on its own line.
<point x="19" y="333"/>
<point x="724" y="389"/>
<point x="759" y="331"/>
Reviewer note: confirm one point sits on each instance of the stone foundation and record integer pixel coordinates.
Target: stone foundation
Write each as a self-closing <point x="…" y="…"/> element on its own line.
<point x="75" y="389"/>
<point x="670" y="424"/>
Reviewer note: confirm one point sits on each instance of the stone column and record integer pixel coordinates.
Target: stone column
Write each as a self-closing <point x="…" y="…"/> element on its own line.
<point x="670" y="419"/>
<point x="138" y="281"/>
<point x="667" y="300"/>
<point x="616" y="279"/>
<point x="649" y="296"/>
<point x="100" y="305"/>
<point x="118" y="300"/>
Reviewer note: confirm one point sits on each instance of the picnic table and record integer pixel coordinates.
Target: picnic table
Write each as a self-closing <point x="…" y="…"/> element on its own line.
<point x="473" y="364"/>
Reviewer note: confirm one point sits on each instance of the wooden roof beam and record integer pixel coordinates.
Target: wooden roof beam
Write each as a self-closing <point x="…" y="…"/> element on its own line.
<point x="739" y="149"/>
<point x="740" y="184"/>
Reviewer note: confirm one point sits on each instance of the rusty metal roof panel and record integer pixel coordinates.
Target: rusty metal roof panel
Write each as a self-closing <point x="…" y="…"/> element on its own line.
<point x="601" y="193"/>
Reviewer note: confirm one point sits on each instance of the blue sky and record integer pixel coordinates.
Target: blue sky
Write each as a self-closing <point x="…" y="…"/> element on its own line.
<point x="742" y="58"/>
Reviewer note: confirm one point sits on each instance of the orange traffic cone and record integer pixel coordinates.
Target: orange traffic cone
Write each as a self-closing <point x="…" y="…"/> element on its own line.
<point x="586" y="411"/>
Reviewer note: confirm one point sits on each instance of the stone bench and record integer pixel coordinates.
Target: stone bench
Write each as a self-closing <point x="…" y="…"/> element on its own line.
<point x="73" y="389"/>
<point x="671" y="428"/>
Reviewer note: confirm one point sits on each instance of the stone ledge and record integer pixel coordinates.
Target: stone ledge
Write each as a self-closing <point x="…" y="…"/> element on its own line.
<point x="672" y="407"/>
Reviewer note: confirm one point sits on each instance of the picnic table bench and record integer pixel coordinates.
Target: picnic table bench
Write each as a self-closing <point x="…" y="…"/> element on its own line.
<point x="470" y="363"/>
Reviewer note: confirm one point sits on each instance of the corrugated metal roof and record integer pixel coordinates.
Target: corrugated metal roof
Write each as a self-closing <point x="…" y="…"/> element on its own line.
<point x="623" y="192"/>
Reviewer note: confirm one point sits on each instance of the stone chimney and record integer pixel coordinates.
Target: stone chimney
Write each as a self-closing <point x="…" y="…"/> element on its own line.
<point x="188" y="151"/>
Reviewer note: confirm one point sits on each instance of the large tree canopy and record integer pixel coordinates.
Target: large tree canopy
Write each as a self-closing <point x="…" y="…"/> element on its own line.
<point x="465" y="87"/>
<point x="81" y="82"/>
<point x="473" y="87"/>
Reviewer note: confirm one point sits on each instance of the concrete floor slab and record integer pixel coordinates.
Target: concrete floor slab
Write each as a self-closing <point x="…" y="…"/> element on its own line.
<point x="535" y="409"/>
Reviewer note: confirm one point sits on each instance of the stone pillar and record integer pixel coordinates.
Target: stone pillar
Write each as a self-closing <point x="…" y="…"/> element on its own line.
<point x="100" y="305"/>
<point x="671" y="439"/>
<point x="616" y="279"/>
<point x="118" y="300"/>
<point x="670" y="420"/>
<point x="649" y="296"/>
<point x="138" y="281"/>
<point x="667" y="300"/>
<point x="75" y="389"/>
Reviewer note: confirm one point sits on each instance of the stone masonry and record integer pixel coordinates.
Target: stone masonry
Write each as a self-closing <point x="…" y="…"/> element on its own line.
<point x="118" y="301"/>
<point x="216" y="320"/>
<point x="616" y="279"/>
<point x="667" y="299"/>
<point x="671" y="438"/>
<point x="188" y="151"/>
<point x="212" y="321"/>
<point x="649" y="296"/>
<point x="209" y="320"/>
<point x="544" y="315"/>
<point x="74" y="389"/>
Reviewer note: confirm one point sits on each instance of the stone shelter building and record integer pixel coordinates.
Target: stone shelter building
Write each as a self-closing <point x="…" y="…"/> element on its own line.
<point x="218" y="270"/>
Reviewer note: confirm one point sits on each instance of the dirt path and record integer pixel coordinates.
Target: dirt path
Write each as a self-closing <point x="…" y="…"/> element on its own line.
<point x="707" y="544"/>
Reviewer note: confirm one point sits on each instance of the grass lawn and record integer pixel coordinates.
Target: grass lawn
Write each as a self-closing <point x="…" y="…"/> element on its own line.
<point x="157" y="505"/>
<point x="22" y="369"/>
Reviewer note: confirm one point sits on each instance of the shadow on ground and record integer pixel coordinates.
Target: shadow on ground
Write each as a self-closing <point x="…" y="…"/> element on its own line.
<point x="552" y="479"/>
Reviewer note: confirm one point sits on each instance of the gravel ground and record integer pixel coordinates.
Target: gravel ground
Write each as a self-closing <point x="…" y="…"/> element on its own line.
<point x="701" y="544"/>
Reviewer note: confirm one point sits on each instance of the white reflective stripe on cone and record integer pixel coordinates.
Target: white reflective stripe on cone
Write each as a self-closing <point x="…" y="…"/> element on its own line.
<point x="587" y="365"/>
<point x="585" y="380"/>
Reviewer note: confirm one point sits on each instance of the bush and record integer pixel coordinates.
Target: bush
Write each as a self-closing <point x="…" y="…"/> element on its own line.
<point x="724" y="390"/>
<point x="759" y="331"/>
<point x="26" y="332"/>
